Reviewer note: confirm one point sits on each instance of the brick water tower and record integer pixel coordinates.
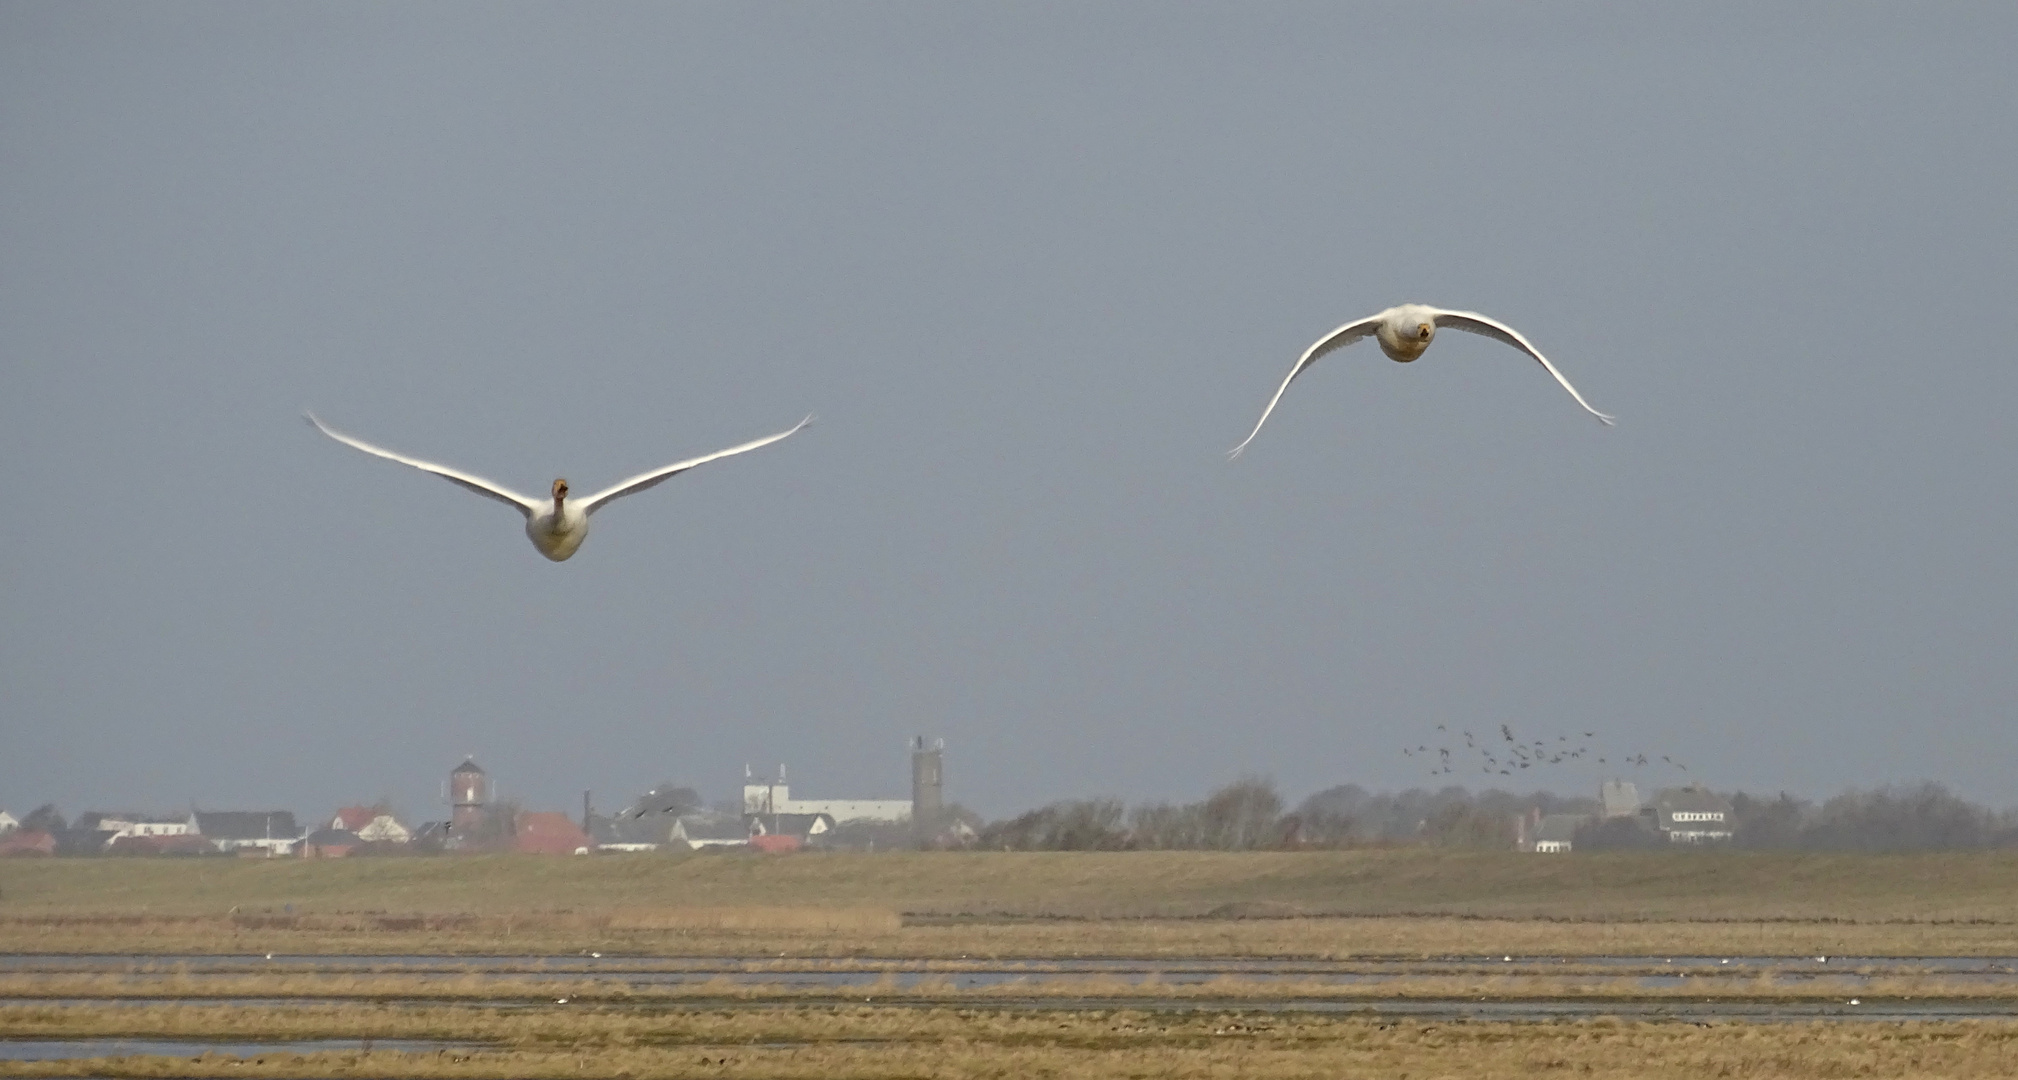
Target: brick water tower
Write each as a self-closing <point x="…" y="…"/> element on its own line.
<point x="468" y="791"/>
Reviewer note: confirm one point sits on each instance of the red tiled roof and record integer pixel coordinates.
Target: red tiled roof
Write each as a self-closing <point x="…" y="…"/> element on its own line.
<point x="548" y="832"/>
<point x="27" y="842"/>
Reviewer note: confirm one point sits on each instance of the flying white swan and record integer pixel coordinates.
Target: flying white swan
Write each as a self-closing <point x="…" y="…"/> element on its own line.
<point x="559" y="527"/>
<point x="1404" y="332"/>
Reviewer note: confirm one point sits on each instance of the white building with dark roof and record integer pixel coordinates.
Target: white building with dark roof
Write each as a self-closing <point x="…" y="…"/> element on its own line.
<point x="1691" y="815"/>
<point x="1556" y="831"/>
<point x="272" y="832"/>
<point x="699" y="831"/>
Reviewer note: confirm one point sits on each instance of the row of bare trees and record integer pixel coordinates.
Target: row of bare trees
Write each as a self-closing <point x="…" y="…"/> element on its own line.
<point x="1249" y="814"/>
<point x="1244" y="815"/>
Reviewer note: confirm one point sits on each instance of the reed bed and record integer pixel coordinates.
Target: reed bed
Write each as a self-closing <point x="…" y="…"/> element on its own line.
<point x="944" y="1043"/>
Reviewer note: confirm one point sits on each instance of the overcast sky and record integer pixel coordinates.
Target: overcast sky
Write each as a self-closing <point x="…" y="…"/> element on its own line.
<point x="1036" y="267"/>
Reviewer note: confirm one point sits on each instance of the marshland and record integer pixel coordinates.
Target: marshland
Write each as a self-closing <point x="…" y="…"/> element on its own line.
<point x="963" y="964"/>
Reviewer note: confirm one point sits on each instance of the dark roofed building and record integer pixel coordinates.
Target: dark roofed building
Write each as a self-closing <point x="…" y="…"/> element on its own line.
<point x="803" y="826"/>
<point x="160" y="844"/>
<point x="1554" y="835"/>
<point x="699" y="831"/>
<point x="626" y="832"/>
<point x="329" y="844"/>
<point x="1691" y="815"/>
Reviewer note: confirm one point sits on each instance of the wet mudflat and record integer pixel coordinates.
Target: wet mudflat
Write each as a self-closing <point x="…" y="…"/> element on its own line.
<point x="1060" y="1038"/>
<point x="1751" y="989"/>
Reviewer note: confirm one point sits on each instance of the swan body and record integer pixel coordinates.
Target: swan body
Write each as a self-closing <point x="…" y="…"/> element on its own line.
<point x="557" y="527"/>
<point x="1404" y="332"/>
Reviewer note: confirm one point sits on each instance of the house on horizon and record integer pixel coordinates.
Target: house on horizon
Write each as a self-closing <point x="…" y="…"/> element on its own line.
<point x="548" y="832"/>
<point x="720" y="831"/>
<point x="371" y="824"/>
<point x="249" y="832"/>
<point x="8" y="823"/>
<point x="768" y="799"/>
<point x="329" y="844"/>
<point x="629" y="832"/>
<point x="183" y="843"/>
<point x="1691" y="815"/>
<point x="803" y="827"/>
<point x="27" y="842"/>
<point x="109" y="828"/>
<point x="1547" y="834"/>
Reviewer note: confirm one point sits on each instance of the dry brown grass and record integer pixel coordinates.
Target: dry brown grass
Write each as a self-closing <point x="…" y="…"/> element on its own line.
<point x="954" y="1044"/>
<point x="1399" y="903"/>
<point x="940" y="987"/>
<point x="854" y="932"/>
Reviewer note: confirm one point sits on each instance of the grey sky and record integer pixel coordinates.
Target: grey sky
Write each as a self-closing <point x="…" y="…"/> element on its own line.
<point x="1036" y="267"/>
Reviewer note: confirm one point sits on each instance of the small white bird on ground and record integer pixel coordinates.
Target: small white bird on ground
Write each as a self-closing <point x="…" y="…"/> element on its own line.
<point x="559" y="527"/>
<point x="1404" y="332"/>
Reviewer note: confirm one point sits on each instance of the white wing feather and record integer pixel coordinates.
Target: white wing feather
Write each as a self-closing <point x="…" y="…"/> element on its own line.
<point x="477" y="484"/>
<point x="1337" y="339"/>
<point x="1472" y="322"/>
<point x="658" y="476"/>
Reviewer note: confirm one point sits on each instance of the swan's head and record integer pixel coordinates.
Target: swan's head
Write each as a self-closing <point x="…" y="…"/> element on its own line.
<point x="560" y="490"/>
<point x="1406" y="331"/>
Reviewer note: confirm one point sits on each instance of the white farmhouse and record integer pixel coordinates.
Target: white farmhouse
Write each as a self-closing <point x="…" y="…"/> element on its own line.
<point x="1691" y="815"/>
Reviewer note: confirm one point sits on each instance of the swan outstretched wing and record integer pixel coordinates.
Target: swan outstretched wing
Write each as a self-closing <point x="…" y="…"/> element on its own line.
<point x="1473" y="323"/>
<point x="1337" y="339"/>
<point x="657" y="476"/>
<point x="477" y="484"/>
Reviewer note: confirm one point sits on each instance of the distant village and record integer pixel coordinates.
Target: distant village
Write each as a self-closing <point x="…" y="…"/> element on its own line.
<point x="1247" y="814"/>
<point x="672" y="818"/>
<point x="770" y="820"/>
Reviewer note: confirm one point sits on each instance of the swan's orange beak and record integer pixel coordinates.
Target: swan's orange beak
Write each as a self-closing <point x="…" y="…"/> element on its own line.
<point x="560" y="490"/>
<point x="1422" y="331"/>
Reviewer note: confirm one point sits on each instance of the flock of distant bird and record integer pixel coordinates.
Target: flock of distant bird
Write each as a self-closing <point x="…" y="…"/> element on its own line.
<point x="1509" y="754"/>
<point x="558" y="528"/>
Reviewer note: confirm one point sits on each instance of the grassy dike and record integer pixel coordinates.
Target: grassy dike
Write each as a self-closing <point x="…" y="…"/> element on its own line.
<point x="1614" y="886"/>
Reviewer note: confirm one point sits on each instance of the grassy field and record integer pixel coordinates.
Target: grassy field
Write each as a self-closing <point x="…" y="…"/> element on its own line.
<point x="864" y="1042"/>
<point x="1389" y="902"/>
<point x="1024" y="905"/>
<point x="1671" y="886"/>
